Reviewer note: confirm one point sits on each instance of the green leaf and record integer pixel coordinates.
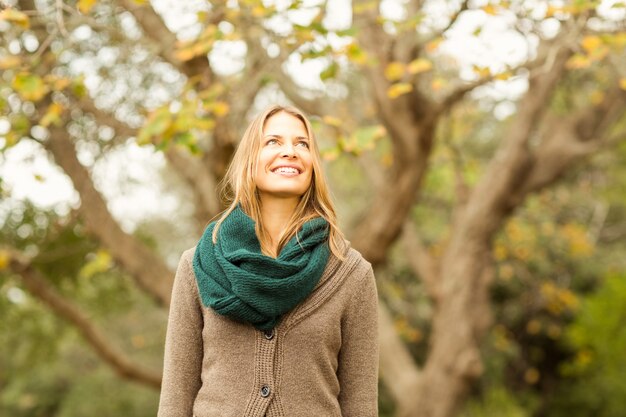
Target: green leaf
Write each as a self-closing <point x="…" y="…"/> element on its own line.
<point x="186" y="139"/>
<point x="330" y="71"/>
<point x="20" y="124"/>
<point x="30" y="86"/>
<point x="158" y="122"/>
<point x="351" y="31"/>
<point x="78" y="87"/>
<point x="102" y="262"/>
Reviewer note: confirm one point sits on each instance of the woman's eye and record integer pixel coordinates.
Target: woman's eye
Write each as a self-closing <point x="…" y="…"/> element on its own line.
<point x="304" y="144"/>
<point x="271" y="142"/>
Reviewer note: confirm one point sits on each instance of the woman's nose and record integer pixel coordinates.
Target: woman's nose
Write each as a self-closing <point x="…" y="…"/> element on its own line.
<point x="288" y="150"/>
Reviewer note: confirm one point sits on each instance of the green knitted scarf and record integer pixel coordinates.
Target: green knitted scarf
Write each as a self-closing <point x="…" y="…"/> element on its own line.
<point x="236" y="280"/>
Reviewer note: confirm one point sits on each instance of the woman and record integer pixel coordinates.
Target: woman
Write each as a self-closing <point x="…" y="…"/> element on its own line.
<point x="272" y="313"/>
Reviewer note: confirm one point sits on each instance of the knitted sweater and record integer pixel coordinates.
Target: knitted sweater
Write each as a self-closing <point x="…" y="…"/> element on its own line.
<point x="321" y="359"/>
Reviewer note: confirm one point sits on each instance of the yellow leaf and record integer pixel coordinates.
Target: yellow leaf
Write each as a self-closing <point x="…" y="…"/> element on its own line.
<point x="56" y="83"/>
<point x="332" y="121"/>
<point x="617" y="40"/>
<point x="185" y="54"/>
<point x="499" y="252"/>
<point x="579" y="244"/>
<point x="9" y="62"/>
<point x="552" y="10"/>
<point x="503" y="75"/>
<point x="531" y="376"/>
<point x="490" y="9"/>
<point x="52" y="115"/>
<point x="364" y="7"/>
<point x="596" y="97"/>
<point x="533" y="326"/>
<point x="258" y="11"/>
<point x="60" y="83"/>
<point x="204" y="124"/>
<point x="39" y="178"/>
<point x="482" y="71"/>
<point x="356" y="54"/>
<point x="101" y="262"/>
<point x="398" y="89"/>
<point x="4" y="259"/>
<point x="622" y="83"/>
<point x="590" y="43"/>
<point x="438" y="83"/>
<point x="394" y="71"/>
<point x="220" y="108"/>
<point x="578" y="61"/>
<point x="85" y="6"/>
<point x="15" y="16"/>
<point x="420" y="65"/>
<point x="433" y="45"/>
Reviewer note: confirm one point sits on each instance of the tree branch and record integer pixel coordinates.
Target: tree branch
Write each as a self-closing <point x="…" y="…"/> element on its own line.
<point x="420" y="261"/>
<point x="38" y="287"/>
<point x="569" y="140"/>
<point x="149" y="270"/>
<point x="463" y="313"/>
<point x="154" y="28"/>
<point x="396" y="363"/>
<point x="513" y="160"/>
<point x="200" y="181"/>
<point x="105" y="118"/>
<point x="457" y="95"/>
<point x="311" y="106"/>
<point x="453" y="20"/>
<point x="192" y="169"/>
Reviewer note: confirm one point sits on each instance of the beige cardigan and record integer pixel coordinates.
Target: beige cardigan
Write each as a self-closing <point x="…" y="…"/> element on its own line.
<point x="320" y="361"/>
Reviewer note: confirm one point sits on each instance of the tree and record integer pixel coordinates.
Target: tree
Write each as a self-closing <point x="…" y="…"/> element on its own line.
<point x="406" y="86"/>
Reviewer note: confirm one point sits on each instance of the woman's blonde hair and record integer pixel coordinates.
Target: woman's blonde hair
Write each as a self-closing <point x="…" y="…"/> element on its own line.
<point x="239" y="187"/>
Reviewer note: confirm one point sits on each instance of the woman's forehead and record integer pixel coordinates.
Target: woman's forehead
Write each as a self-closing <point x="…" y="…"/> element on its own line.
<point x="284" y="119"/>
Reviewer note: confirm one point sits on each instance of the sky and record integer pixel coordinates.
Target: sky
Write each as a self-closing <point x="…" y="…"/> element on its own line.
<point x="128" y="177"/>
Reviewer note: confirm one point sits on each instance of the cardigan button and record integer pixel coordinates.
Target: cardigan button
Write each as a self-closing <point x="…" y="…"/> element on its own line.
<point x="269" y="334"/>
<point x="265" y="391"/>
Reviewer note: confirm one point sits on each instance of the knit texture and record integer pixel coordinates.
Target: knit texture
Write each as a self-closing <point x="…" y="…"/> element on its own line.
<point x="238" y="281"/>
<point x="320" y="360"/>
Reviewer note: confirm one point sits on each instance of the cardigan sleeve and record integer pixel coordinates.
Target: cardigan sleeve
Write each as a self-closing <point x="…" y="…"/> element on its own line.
<point x="358" y="358"/>
<point x="183" y="345"/>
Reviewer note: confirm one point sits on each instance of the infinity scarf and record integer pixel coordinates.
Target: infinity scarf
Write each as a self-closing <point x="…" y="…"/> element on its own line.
<point x="236" y="280"/>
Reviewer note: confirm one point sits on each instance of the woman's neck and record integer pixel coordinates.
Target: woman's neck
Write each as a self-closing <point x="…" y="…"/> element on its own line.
<point x="275" y="215"/>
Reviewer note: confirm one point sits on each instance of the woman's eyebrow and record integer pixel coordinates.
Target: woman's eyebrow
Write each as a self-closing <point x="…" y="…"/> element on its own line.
<point x="274" y="135"/>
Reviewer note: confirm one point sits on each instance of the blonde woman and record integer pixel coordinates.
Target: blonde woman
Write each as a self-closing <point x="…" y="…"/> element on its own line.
<point x="273" y="313"/>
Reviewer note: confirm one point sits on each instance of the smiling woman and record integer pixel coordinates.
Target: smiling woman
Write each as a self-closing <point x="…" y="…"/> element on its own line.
<point x="273" y="313"/>
<point x="285" y="163"/>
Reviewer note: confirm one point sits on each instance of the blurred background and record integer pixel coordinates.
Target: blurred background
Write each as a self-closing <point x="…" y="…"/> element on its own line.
<point x="476" y="151"/>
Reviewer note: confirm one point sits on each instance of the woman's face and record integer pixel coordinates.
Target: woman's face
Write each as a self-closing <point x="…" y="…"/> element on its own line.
<point x="285" y="165"/>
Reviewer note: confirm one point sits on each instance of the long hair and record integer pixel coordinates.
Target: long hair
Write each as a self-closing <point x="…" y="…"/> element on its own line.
<point x="239" y="187"/>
